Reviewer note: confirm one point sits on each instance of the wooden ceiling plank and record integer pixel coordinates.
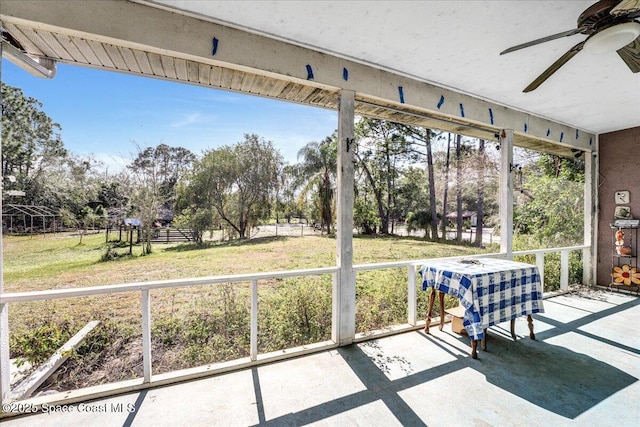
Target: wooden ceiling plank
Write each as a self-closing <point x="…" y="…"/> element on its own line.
<point x="236" y="82"/>
<point x="168" y="66"/>
<point x="192" y="71"/>
<point x="247" y="82"/>
<point x="130" y="59"/>
<point x="115" y="56"/>
<point x="214" y="76"/>
<point x="25" y="42"/>
<point x="86" y="51"/>
<point x="37" y="41"/>
<point x="55" y="46"/>
<point x="71" y="47"/>
<point x="227" y="77"/>
<point x="204" y="73"/>
<point x="181" y="69"/>
<point x="100" y="53"/>
<point x="156" y="64"/>
<point x="143" y="62"/>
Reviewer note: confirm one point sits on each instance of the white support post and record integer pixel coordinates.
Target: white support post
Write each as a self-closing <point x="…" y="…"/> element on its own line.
<point x="4" y="351"/>
<point x="146" y="335"/>
<point x="335" y="307"/>
<point x="4" y="308"/>
<point x="564" y="270"/>
<point x="344" y="315"/>
<point x="540" y="265"/>
<point x="590" y="212"/>
<point x="506" y="192"/>
<point x="412" y="302"/>
<point x="253" y="351"/>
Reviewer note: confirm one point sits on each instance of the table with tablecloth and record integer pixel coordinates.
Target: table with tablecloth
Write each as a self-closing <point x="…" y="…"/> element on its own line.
<point x="491" y="290"/>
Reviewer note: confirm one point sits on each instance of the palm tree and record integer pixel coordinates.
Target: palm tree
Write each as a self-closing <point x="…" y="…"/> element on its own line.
<point x="318" y="170"/>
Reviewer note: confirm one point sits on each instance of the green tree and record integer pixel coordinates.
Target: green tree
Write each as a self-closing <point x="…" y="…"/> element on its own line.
<point x="412" y="198"/>
<point x="31" y="142"/>
<point x="80" y="221"/>
<point x="236" y="184"/>
<point x="423" y="139"/>
<point x="167" y="165"/>
<point x="550" y="207"/>
<point x="365" y="214"/>
<point x="381" y="154"/>
<point x="114" y="194"/>
<point x="481" y="184"/>
<point x="286" y="205"/>
<point x="318" y="172"/>
<point x="155" y="172"/>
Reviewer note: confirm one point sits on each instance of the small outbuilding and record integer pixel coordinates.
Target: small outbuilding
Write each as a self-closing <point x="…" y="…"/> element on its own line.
<point x="20" y="219"/>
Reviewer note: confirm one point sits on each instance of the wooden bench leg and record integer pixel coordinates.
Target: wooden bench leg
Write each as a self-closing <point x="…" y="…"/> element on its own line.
<point x="530" y="323"/>
<point x="474" y="349"/>
<point x="483" y="342"/>
<point x="442" y="313"/>
<point x="432" y="298"/>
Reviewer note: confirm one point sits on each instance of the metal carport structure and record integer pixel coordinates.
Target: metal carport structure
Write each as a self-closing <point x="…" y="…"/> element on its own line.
<point x="42" y="213"/>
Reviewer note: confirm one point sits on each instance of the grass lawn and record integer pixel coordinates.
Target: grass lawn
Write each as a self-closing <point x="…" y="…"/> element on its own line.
<point x="196" y="325"/>
<point x="55" y="262"/>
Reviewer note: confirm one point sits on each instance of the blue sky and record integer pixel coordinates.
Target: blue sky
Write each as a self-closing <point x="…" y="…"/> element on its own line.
<point x="103" y="113"/>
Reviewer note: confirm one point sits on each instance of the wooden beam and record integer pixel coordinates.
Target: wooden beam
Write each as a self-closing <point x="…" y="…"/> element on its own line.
<point x="31" y="384"/>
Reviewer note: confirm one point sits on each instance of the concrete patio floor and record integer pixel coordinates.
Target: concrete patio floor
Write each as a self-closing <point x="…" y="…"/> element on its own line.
<point x="583" y="369"/>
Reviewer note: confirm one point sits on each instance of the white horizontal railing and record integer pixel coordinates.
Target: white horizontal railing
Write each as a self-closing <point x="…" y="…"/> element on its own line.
<point x="157" y="284"/>
<point x="145" y="287"/>
<point x="564" y="261"/>
<point x="412" y="272"/>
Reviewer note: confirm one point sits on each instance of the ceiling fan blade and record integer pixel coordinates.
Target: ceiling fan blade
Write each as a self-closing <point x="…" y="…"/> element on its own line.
<point x="542" y="40"/>
<point x="630" y="54"/>
<point x="626" y="7"/>
<point x="554" y="67"/>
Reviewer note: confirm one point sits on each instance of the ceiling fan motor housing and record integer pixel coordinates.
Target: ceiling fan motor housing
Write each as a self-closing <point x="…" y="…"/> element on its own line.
<point x="597" y="16"/>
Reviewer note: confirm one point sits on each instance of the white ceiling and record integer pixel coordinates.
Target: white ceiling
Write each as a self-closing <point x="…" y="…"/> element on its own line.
<point x="456" y="44"/>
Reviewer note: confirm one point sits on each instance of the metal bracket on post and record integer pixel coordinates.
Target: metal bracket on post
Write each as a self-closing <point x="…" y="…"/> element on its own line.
<point x="350" y="142"/>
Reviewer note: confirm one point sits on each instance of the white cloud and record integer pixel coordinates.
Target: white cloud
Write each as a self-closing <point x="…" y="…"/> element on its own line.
<point x="187" y="120"/>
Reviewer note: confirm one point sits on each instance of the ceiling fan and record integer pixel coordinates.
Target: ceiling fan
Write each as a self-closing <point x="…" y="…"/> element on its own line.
<point x="609" y="24"/>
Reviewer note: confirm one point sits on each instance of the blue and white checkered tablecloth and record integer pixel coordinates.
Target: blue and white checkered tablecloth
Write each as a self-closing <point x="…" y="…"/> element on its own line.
<point x="492" y="291"/>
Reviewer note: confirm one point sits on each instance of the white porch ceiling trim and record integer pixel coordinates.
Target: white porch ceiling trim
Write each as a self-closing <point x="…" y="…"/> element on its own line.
<point x="140" y="39"/>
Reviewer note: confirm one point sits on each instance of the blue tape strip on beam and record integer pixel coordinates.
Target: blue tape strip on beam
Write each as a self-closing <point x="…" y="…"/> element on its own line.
<point x="577" y="134"/>
<point x="526" y="128"/>
<point x="309" y="72"/>
<point x="345" y="74"/>
<point x="215" y="46"/>
<point x="461" y="110"/>
<point x="548" y="132"/>
<point x="561" y="136"/>
<point x="491" y="115"/>
<point x="401" y="94"/>
<point x="590" y="141"/>
<point x="440" y="102"/>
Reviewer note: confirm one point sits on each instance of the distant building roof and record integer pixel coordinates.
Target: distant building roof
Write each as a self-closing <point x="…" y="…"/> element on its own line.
<point x="465" y="214"/>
